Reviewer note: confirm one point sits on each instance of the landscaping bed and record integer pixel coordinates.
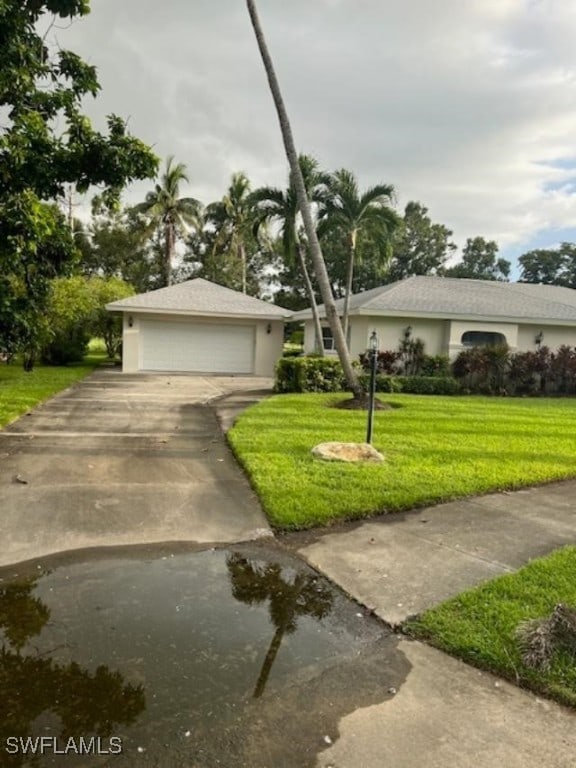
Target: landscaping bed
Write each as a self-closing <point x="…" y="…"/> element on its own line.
<point x="479" y="625"/>
<point x="436" y="449"/>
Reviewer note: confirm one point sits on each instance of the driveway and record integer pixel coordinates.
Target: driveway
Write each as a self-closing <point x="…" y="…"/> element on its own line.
<point x="120" y="459"/>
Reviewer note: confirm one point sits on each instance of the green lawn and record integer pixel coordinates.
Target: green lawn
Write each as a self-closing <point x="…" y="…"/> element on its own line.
<point x="436" y="448"/>
<point x="479" y="625"/>
<point x="21" y="391"/>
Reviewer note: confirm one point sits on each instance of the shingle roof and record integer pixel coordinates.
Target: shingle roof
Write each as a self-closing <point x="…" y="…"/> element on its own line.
<point x="200" y="297"/>
<point x="457" y="297"/>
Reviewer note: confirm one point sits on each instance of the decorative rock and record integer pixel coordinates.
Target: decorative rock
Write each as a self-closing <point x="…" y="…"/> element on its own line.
<point x="347" y="452"/>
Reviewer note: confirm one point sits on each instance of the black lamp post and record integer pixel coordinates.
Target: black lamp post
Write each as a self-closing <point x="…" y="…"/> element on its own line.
<point x="373" y="350"/>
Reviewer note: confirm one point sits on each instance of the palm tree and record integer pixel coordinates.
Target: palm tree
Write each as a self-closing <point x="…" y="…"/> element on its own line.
<point x="166" y="210"/>
<point x="281" y="206"/>
<point x="305" y="209"/>
<point x="353" y="214"/>
<point x="288" y="598"/>
<point x="233" y="219"/>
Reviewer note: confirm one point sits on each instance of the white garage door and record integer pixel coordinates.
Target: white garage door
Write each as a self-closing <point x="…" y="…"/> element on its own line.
<point x="198" y="348"/>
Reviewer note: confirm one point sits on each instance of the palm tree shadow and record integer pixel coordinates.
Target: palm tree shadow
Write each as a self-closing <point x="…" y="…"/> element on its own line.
<point x="288" y="599"/>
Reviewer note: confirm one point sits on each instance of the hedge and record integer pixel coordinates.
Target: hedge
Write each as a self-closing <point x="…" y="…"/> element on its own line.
<point x="324" y="374"/>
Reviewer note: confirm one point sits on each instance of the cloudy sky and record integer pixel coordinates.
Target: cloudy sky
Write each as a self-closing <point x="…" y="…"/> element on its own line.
<point x="468" y="106"/>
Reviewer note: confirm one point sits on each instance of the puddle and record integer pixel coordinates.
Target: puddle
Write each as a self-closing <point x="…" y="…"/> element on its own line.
<point x="239" y="657"/>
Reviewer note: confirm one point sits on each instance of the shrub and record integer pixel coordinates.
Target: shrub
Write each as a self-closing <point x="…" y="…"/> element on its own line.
<point x="66" y="346"/>
<point x="386" y="362"/>
<point x="384" y="383"/>
<point x="297" y="337"/>
<point x="309" y="374"/>
<point x="436" y="365"/>
<point x="428" y="385"/>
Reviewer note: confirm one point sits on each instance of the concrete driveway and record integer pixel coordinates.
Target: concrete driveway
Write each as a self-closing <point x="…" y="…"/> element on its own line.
<point x="120" y="459"/>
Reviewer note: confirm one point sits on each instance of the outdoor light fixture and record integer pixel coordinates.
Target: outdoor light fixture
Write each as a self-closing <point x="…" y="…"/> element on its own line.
<point x="130" y="321"/>
<point x="538" y="338"/>
<point x="269" y="328"/>
<point x="373" y="350"/>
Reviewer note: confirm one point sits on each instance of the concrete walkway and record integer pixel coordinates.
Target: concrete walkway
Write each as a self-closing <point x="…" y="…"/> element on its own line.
<point x="118" y="460"/>
<point x="447" y="714"/>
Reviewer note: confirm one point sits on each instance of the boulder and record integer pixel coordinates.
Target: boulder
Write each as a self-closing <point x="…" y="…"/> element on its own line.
<point x="347" y="452"/>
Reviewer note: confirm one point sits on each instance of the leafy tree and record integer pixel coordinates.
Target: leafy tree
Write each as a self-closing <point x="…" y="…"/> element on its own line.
<point x="552" y="266"/>
<point x="76" y="312"/>
<point x="305" y="210"/>
<point x="351" y="213"/>
<point x="166" y="211"/>
<point x="47" y="143"/>
<point x="479" y="262"/>
<point x="419" y="247"/>
<point x="115" y="245"/>
<point x="281" y="206"/>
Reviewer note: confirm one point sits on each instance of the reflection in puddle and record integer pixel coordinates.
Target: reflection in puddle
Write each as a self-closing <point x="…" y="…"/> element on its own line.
<point x="288" y="598"/>
<point x="242" y="658"/>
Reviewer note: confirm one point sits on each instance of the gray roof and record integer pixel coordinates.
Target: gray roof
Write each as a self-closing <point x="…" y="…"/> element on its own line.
<point x="199" y="297"/>
<point x="429" y="296"/>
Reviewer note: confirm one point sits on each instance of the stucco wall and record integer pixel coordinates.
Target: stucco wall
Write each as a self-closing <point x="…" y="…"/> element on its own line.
<point x="553" y="336"/>
<point x="268" y="346"/>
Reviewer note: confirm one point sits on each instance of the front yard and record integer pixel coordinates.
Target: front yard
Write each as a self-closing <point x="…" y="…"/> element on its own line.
<point x="436" y="448"/>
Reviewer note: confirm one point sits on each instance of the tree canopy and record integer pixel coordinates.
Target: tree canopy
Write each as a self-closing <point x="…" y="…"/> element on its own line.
<point x="47" y="143"/>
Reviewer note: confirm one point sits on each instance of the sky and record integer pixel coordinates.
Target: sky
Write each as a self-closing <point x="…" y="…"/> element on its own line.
<point x="468" y="106"/>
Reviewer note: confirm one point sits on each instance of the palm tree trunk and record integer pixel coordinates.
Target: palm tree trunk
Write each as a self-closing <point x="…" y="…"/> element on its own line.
<point x="349" y="278"/>
<point x="268" y="662"/>
<point x="168" y="250"/>
<point x="242" y="254"/>
<point x="318" y="342"/>
<point x="304" y="205"/>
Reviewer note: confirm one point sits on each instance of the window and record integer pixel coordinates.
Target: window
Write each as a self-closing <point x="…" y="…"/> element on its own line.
<point x="327" y="339"/>
<point x="482" y="339"/>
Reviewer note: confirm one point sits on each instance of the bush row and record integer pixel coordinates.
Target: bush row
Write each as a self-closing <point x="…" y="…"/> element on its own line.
<point x="324" y="374"/>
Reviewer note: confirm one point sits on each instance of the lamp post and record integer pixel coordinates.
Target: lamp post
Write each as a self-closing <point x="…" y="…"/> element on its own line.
<point x="373" y="350"/>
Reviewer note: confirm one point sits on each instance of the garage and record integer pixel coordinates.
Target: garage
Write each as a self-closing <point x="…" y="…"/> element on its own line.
<point x="200" y="327"/>
<point x="195" y="347"/>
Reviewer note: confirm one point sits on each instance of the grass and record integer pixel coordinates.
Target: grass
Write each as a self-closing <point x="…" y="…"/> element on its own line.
<point x="436" y="448"/>
<point x="478" y="626"/>
<point x="21" y="391"/>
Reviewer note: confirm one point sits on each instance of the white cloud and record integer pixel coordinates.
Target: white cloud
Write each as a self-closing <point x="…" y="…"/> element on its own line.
<point x="466" y="106"/>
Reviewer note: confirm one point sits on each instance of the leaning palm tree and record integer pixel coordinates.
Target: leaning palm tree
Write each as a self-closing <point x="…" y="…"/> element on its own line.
<point x="281" y="206"/>
<point x="289" y="597"/>
<point x="167" y="211"/>
<point x="305" y="209"/>
<point x="233" y="218"/>
<point x="354" y="213"/>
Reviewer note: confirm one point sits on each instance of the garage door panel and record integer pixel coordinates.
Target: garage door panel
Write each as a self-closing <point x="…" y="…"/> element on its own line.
<point x="167" y="346"/>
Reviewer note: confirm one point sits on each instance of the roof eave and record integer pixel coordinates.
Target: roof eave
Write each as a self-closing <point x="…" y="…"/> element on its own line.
<point x="193" y="313"/>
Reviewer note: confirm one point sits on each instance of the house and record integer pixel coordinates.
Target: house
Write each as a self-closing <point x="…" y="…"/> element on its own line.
<point x="198" y="326"/>
<point x="450" y="314"/>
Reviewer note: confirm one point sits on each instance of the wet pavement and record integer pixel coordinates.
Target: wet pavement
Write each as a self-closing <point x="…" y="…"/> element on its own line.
<point x="242" y="656"/>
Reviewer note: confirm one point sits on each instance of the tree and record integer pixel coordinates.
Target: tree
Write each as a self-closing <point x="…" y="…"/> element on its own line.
<point x="168" y="212"/>
<point x="353" y="213"/>
<point x="419" y="247"/>
<point x="46" y="143"/>
<point x="288" y="597"/>
<point x="233" y="220"/>
<point x="305" y="210"/>
<point x="115" y="245"/>
<point x="552" y="266"/>
<point x="479" y="262"/>
<point x="281" y="206"/>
